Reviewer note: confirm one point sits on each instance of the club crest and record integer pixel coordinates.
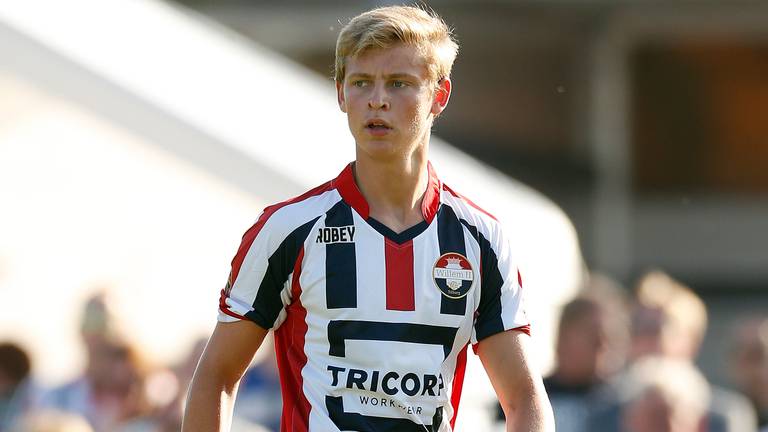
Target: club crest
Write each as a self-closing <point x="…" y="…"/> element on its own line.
<point x="453" y="275"/>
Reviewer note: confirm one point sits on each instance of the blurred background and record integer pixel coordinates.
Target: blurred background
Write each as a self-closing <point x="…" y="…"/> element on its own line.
<point x="140" y="138"/>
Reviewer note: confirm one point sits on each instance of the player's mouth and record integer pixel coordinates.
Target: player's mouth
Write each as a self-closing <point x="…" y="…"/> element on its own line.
<point x="378" y="127"/>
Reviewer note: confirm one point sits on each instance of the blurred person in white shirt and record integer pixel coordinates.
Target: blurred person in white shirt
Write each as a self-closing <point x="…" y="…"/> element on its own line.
<point x="665" y="395"/>
<point x="749" y="365"/>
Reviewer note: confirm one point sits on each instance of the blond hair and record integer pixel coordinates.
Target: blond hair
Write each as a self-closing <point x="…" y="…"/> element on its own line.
<point x="681" y="307"/>
<point x="386" y="27"/>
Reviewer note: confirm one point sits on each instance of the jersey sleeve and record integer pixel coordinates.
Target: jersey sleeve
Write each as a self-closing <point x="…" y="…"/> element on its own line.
<point x="258" y="287"/>
<point x="501" y="305"/>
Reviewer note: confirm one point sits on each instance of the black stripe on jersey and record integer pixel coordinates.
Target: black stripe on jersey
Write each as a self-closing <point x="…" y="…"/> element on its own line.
<point x="488" y="320"/>
<point x="267" y="304"/>
<point x="450" y="235"/>
<point x="340" y="263"/>
<point x="399" y="238"/>
<point x="437" y="419"/>
<point x="341" y="331"/>
<point x="362" y="423"/>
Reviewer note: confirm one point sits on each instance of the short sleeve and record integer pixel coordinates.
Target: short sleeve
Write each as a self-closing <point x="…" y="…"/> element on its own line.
<point x="258" y="287"/>
<point x="501" y="305"/>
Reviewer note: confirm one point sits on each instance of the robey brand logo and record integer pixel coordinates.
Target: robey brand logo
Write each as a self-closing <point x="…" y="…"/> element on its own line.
<point x="330" y="235"/>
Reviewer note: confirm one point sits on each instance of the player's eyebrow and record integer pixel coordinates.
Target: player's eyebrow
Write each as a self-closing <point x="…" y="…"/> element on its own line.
<point x="360" y="75"/>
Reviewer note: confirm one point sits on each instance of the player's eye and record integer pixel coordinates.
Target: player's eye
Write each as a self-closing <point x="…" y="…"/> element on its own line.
<point x="399" y="84"/>
<point x="359" y="83"/>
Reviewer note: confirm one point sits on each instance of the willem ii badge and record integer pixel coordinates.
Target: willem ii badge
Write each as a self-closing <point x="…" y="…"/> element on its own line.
<point x="453" y="275"/>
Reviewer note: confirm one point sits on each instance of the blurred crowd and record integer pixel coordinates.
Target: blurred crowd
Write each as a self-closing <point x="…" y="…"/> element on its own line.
<point x="625" y="361"/>
<point x="119" y="390"/>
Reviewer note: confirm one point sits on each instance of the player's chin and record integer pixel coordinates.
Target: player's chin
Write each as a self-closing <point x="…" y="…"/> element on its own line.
<point x="381" y="150"/>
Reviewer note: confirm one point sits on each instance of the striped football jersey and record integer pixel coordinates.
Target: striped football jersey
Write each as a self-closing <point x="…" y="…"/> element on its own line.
<point x="371" y="326"/>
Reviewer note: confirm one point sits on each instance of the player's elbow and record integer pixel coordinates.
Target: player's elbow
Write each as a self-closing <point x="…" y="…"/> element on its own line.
<point x="529" y="410"/>
<point x="214" y="374"/>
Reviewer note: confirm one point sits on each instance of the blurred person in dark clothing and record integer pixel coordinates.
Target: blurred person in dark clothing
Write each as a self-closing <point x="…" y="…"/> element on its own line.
<point x="16" y="394"/>
<point x="590" y="348"/>
<point x="582" y="368"/>
<point x="749" y="365"/>
<point x="664" y="394"/>
<point x="668" y="319"/>
<point x="259" y="397"/>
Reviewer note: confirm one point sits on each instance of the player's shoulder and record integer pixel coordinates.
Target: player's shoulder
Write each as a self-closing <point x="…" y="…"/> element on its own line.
<point x="481" y="224"/>
<point x="288" y="215"/>
<point x="469" y="212"/>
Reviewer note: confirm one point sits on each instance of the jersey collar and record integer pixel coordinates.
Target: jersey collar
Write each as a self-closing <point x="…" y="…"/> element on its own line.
<point x="345" y="184"/>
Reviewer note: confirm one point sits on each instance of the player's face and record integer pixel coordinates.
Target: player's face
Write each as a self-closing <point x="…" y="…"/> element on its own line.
<point x="390" y="102"/>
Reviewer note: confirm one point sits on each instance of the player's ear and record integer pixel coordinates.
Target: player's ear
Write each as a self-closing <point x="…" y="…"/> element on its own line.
<point x="340" y="96"/>
<point x="442" y="95"/>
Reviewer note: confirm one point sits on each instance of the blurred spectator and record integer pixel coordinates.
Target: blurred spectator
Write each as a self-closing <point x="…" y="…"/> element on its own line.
<point x="110" y="394"/>
<point x="52" y="421"/>
<point x="15" y="384"/>
<point x="251" y="406"/>
<point x="749" y="365"/>
<point x="170" y="414"/>
<point x="590" y="346"/>
<point x="259" y="396"/>
<point x="664" y="394"/>
<point x="668" y="319"/>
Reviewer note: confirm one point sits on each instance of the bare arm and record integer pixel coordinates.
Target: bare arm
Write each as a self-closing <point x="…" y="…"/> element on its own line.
<point x="214" y="386"/>
<point x="519" y="387"/>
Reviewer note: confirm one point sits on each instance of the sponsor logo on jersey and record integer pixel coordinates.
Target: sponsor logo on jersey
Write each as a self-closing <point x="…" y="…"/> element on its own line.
<point x="453" y="275"/>
<point x="330" y="235"/>
<point x="390" y="383"/>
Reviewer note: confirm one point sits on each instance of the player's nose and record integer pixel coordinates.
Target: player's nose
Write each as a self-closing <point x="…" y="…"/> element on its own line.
<point x="379" y="99"/>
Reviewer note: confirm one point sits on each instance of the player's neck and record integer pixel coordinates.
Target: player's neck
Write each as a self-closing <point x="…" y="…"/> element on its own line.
<point x="394" y="190"/>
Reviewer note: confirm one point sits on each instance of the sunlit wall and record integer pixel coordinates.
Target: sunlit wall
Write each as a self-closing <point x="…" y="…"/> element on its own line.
<point x="88" y="206"/>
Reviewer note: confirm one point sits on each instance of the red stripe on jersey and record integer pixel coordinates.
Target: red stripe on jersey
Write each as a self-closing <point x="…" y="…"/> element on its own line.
<point x="291" y="358"/>
<point x="254" y="230"/>
<point x="467" y="200"/>
<point x="345" y="183"/>
<point x="399" y="264"/>
<point x="458" y="383"/>
<point x="431" y="202"/>
<point x="525" y="329"/>
<point x="224" y="308"/>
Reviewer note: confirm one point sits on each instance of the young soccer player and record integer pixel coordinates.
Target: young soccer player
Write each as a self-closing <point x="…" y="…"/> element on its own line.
<point x="376" y="282"/>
